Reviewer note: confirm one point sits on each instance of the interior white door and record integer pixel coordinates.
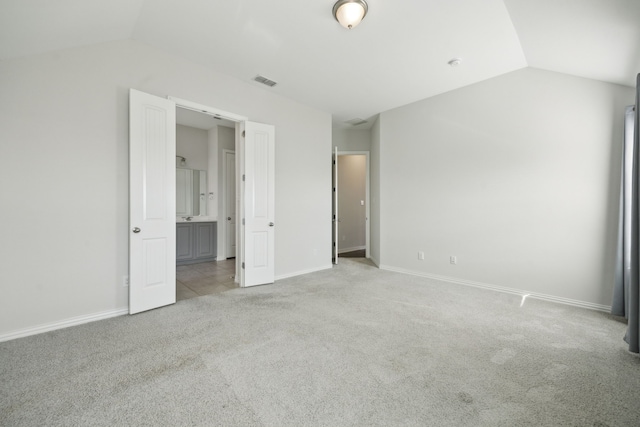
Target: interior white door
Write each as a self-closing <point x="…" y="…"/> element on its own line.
<point x="257" y="204"/>
<point x="335" y="206"/>
<point x="230" y="202"/>
<point x="152" y="201"/>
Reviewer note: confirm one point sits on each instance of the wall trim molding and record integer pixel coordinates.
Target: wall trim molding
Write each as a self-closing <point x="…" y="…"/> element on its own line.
<point x="300" y="273"/>
<point x="503" y="289"/>
<point x="87" y="318"/>
<point x="73" y="321"/>
<point x="79" y="320"/>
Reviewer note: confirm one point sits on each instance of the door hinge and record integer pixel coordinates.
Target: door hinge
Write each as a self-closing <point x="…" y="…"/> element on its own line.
<point x="243" y="177"/>
<point x="242" y="221"/>
<point x="334" y="217"/>
<point x="243" y="134"/>
<point x="334" y="189"/>
<point x="243" y="265"/>
<point x="334" y="162"/>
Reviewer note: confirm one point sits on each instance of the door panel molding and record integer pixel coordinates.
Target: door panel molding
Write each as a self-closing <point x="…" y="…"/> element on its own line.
<point x="257" y="198"/>
<point x="152" y="201"/>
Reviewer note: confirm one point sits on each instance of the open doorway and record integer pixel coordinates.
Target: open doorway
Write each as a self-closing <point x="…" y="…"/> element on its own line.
<point x="152" y="199"/>
<point x="351" y="204"/>
<point x="205" y="189"/>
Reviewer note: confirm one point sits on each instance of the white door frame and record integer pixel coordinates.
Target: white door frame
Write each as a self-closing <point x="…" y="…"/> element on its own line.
<point x="334" y="205"/>
<point x="223" y="229"/>
<point x="367" y="197"/>
<point x="240" y="121"/>
<point x="182" y="103"/>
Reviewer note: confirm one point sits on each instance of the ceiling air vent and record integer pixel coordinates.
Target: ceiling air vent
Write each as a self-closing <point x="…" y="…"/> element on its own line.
<point x="265" y="81"/>
<point x="356" y="121"/>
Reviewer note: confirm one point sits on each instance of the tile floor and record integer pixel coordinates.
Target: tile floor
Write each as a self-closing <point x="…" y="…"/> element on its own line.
<point x="205" y="278"/>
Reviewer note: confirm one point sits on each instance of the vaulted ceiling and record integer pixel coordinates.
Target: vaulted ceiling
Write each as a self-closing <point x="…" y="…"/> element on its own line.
<point x="397" y="55"/>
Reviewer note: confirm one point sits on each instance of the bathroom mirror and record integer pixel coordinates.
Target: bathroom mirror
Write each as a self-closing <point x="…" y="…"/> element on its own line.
<point x="191" y="192"/>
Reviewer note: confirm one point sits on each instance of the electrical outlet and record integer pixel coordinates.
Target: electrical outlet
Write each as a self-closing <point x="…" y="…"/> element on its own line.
<point x="453" y="259"/>
<point x="420" y="255"/>
<point x="125" y="281"/>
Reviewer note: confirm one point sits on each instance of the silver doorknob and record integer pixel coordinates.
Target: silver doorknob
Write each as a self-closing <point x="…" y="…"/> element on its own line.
<point x="136" y="230"/>
<point x="271" y="224"/>
<point x="229" y="218"/>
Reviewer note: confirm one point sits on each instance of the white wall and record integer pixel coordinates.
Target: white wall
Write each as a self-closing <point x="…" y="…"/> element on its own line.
<point x="191" y="143"/>
<point x="517" y="176"/>
<point x="351" y="139"/>
<point x="352" y="190"/>
<point x="64" y="223"/>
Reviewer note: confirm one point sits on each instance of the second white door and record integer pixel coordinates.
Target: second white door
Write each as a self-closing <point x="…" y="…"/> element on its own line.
<point x="258" y="204"/>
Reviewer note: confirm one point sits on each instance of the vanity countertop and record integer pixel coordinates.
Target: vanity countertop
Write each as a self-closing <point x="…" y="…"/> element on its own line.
<point x="180" y="219"/>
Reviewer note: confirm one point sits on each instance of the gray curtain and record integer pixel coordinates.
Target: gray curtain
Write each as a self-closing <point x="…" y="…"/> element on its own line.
<point x="626" y="297"/>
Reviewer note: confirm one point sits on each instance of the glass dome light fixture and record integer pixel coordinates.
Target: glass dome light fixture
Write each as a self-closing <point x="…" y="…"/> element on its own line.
<point x="349" y="13"/>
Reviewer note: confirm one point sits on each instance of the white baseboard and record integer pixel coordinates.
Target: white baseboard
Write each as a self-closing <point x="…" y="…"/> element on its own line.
<point x="355" y="248"/>
<point x="79" y="320"/>
<point x="545" y="297"/>
<point x="300" y="273"/>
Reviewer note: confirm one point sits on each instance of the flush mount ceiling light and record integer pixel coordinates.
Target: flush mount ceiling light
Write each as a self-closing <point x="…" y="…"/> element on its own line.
<point x="349" y="13"/>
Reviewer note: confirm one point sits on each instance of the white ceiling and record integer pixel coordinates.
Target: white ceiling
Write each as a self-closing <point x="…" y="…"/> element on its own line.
<point x="397" y="55"/>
